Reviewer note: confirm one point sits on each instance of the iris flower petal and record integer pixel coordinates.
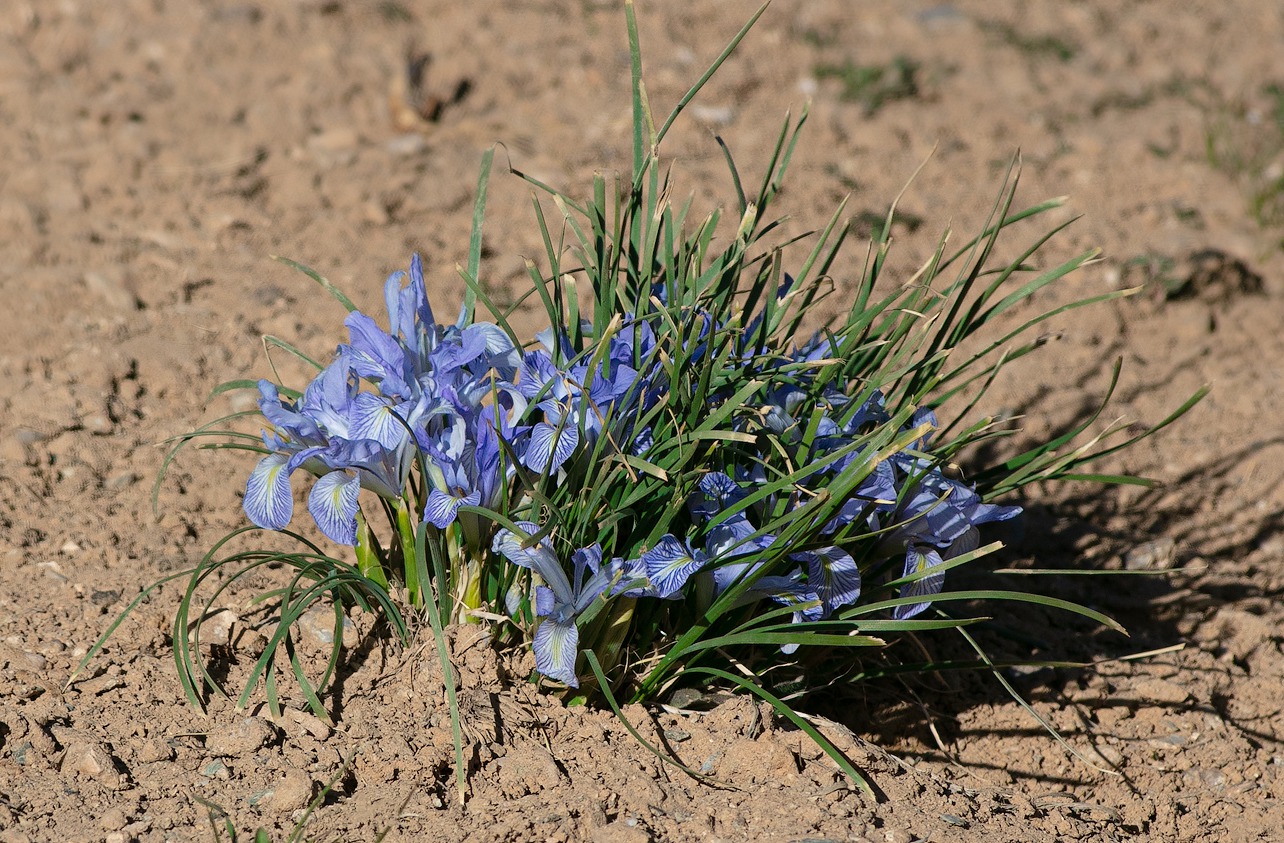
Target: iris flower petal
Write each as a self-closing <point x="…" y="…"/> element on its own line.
<point x="670" y="564"/>
<point x="550" y="447"/>
<point x="919" y="559"/>
<point x="556" y="648"/>
<point x="835" y="576"/>
<point x="268" y="501"/>
<point x="373" y="418"/>
<point x="333" y="503"/>
<point x="441" y="507"/>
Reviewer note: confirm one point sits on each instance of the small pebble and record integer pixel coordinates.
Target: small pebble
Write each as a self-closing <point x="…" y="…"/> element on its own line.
<point x="113" y="820"/>
<point x="120" y="481"/>
<point x="216" y="769"/>
<point x="100" y="685"/>
<point x="309" y="723"/>
<point x="1157" y="555"/>
<point x="685" y="697"/>
<point x="258" y="796"/>
<point x="91" y="760"/>
<point x="242" y="738"/>
<point x="217" y="628"/>
<point x="318" y="625"/>
<point x="153" y="750"/>
<point x="1160" y="691"/>
<point x="408" y="144"/>
<point x="1112" y="756"/>
<point x="292" y="792"/>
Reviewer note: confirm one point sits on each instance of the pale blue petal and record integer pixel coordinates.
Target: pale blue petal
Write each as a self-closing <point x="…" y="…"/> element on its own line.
<point x="835" y="576"/>
<point x="509" y="545"/>
<point x="513" y="599"/>
<point x="918" y="559"/>
<point x="670" y="564"/>
<point x="788" y="591"/>
<point x="545" y="601"/>
<point x="376" y="355"/>
<point x="373" y="418"/>
<point x="419" y="292"/>
<point x="441" y="508"/>
<point x="400" y="322"/>
<point x="628" y="578"/>
<point x="556" y="648"/>
<point x="333" y="503"/>
<point x="549" y="447"/>
<point x="268" y="500"/>
<point x="965" y="543"/>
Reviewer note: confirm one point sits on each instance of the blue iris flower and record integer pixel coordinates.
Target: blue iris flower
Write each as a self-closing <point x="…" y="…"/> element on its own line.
<point x="577" y="401"/>
<point x="427" y="385"/>
<point x="936" y="523"/>
<point x="559" y="599"/>
<point x="325" y="433"/>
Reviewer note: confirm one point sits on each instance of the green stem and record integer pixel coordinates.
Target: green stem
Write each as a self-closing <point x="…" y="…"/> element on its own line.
<point x="369" y="561"/>
<point x="406" y="532"/>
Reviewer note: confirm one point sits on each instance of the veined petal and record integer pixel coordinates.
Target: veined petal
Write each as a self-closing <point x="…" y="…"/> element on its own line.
<point x="285" y="418"/>
<point x="642" y="441"/>
<point x="458" y="350"/>
<point x="627" y="577"/>
<point x="788" y="591"/>
<point x="333" y="503"/>
<point x="441" y="507"/>
<point x="373" y="418"/>
<point x="725" y="576"/>
<point x="720" y="489"/>
<point x="833" y="573"/>
<point x="670" y="564"/>
<point x="589" y="558"/>
<point x="376" y="355"/>
<point x="268" y="501"/>
<point x="401" y="321"/>
<point x="965" y="543"/>
<point x="919" y="559"/>
<point x="556" y="648"/>
<point x="327" y="398"/>
<point x="540" y="558"/>
<point x="419" y="294"/>
<point x="732" y="538"/>
<point x="545" y="601"/>
<point x="510" y="546"/>
<point x="549" y="447"/>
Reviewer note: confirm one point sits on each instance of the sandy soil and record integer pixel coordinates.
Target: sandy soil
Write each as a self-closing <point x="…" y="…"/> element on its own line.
<point x="156" y="152"/>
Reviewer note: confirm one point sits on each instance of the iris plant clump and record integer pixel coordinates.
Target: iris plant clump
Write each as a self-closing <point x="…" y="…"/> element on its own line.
<point x="685" y="470"/>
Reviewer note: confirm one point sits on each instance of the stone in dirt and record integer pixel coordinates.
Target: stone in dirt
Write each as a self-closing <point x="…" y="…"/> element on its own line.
<point x="621" y="832"/>
<point x="92" y="760"/>
<point x="241" y="738"/>
<point x="1160" y="691"/>
<point x="292" y="792"/>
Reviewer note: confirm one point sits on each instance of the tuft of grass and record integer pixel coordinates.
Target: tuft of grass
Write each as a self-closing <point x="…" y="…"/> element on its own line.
<point x="677" y="343"/>
<point x="876" y="85"/>
<point x="1247" y="143"/>
<point x="1045" y="46"/>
